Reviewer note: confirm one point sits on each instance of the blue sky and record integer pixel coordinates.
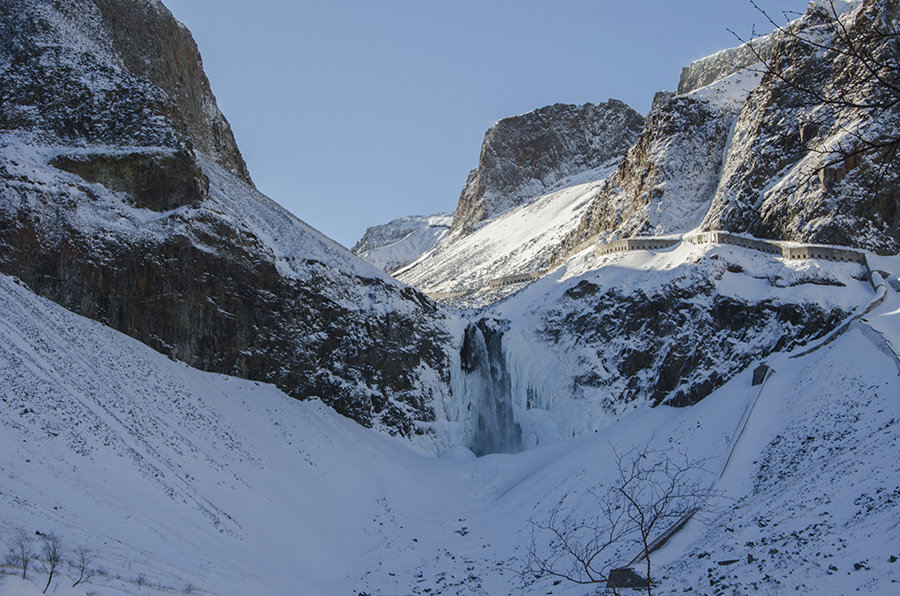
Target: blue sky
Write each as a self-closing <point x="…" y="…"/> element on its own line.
<point x="352" y="113"/>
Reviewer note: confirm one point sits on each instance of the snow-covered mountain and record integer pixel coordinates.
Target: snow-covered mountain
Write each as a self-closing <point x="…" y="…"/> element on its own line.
<point x="398" y="243"/>
<point x="523" y="239"/>
<point x="523" y="157"/>
<point x="139" y="267"/>
<point x="735" y="149"/>
<point x="114" y="205"/>
<point x="663" y="185"/>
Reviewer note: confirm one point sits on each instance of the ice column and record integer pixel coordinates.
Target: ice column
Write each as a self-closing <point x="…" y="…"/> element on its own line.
<point x="487" y="388"/>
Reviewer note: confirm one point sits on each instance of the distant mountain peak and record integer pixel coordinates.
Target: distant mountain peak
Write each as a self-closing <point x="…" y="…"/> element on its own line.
<point x="526" y="156"/>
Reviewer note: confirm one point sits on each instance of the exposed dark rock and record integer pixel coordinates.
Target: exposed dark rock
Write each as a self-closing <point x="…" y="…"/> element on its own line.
<point x="154" y="180"/>
<point x="525" y="156"/>
<point x="204" y="289"/>
<point x="625" y="577"/>
<point x="760" y="373"/>
<point x="679" y="342"/>
<point x="661" y="99"/>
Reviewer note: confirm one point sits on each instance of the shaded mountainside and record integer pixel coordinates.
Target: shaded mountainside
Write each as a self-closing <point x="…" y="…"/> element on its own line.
<point x="110" y="206"/>
<point x="122" y="71"/>
<point x="524" y="157"/>
<point x="155" y="46"/>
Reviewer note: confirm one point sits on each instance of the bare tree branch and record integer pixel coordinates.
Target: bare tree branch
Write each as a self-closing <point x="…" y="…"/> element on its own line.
<point x="21" y="552"/>
<point x="650" y="490"/>
<point x="862" y="56"/>
<point x="51" y="555"/>
<point x="81" y="564"/>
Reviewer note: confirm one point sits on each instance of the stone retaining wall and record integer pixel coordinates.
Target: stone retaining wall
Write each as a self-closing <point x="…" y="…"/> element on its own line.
<point x="626" y="244"/>
<point x="772" y="247"/>
<point x="787" y="251"/>
<point x="509" y="280"/>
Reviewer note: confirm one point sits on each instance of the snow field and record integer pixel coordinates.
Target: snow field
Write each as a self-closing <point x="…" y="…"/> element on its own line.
<point x="191" y="478"/>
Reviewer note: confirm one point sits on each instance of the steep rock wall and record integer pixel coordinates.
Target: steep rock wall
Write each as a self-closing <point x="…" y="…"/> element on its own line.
<point x="108" y="70"/>
<point x="155" y="46"/>
<point x="792" y="172"/>
<point x="524" y="157"/>
<point x="667" y="179"/>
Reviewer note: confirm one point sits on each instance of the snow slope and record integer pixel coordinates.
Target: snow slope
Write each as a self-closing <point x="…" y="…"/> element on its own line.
<point x="518" y="241"/>
<point x="195" y="479"/>
<point x="179" y="476"/>
<point x="398" y="243"/>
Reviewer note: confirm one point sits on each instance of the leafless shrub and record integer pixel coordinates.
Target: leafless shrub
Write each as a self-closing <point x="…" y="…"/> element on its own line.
<point x="80" y="564"/>
<point x="21" y="552"/>
<point x="50" y="555"/>
<point x="652" y="493"/>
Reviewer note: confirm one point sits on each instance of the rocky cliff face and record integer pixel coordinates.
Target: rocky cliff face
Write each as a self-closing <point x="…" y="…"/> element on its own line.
<point x="119" y="202"/>
<point x="526" y="156"/>
<point x="716" y="67"/>
<point x="800" y="167"/>
<point x="122" y="71"/>
<point x="155" y="46"/>
<point x="667" y="179"/>
<point x="784" y="156"/>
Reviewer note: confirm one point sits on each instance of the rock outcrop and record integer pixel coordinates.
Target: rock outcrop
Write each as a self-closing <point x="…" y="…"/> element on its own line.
<point x="155" y="46"/>
<point x="123" y="199"/>
<point x="716" y="67"/>
<point x="678" y="343"/>
<point x="809" y="161"/>
<point x="122" y="71"/>
<point x="667" y="179"/>
<point x="524" y="157"/>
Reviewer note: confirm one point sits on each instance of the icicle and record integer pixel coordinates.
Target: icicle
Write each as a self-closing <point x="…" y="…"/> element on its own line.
<point x="487" y="387"/>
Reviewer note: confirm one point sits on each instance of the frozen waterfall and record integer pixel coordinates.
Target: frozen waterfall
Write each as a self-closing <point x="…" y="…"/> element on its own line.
<point x="488" y="390"/>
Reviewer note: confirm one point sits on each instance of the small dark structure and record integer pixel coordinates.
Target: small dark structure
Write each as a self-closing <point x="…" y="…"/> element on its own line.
<point x="625" y="577"/>
<point x="759" y="374"/>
